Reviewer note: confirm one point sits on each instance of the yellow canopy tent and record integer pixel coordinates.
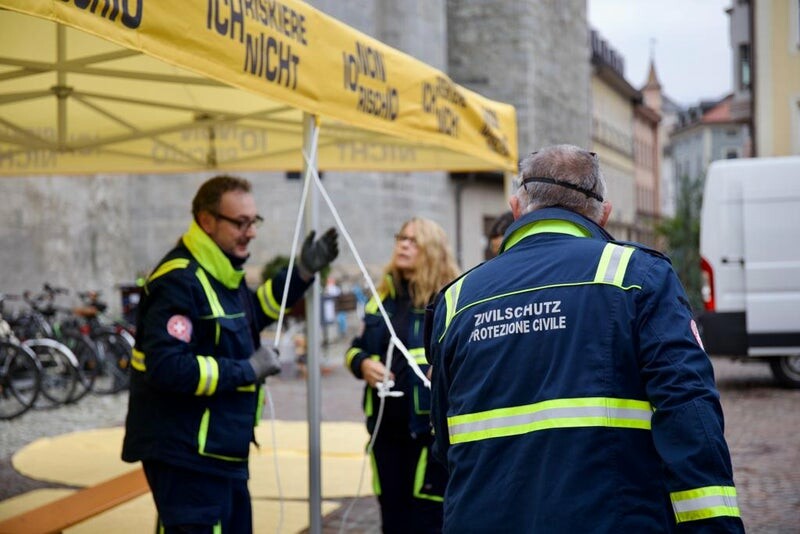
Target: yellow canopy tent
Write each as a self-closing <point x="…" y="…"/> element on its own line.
<point x="146" y="86"/>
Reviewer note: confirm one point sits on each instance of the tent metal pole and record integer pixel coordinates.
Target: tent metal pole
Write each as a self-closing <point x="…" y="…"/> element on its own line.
<point x="313" y="327"/>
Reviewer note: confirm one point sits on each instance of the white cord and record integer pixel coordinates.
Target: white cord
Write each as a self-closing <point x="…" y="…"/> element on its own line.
<point x="281" y="316"/>
<point x="275" y="458"/>
<point x="346" y="235"/>
<point x="383" y="392"/>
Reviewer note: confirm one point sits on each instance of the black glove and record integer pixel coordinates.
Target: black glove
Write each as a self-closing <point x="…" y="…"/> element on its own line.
<point x="316" y="255"/>
<point x="264" y="362"/>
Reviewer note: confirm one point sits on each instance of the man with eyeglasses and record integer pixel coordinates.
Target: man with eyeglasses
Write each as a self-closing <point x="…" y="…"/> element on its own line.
<point x="198" y="364"/>
<point x="571" y="391"/>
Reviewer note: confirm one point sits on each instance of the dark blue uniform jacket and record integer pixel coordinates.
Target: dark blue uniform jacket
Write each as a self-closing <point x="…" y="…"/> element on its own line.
<point x="193" y="398"/>
<point x="572" y="394"/>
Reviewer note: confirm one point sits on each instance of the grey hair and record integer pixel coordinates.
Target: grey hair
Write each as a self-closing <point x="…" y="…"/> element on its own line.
<point x="567" y="163"/>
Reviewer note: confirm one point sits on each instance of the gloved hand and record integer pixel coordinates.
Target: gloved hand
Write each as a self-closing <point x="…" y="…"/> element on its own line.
<point x="264" y="362"/>
<point x="316" y="255"/>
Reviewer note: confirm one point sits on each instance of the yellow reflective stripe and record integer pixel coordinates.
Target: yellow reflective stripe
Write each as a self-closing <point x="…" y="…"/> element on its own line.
<point x="451" y="301"/>
<point x="211" y="295"/>
<point x="372" y="305"/>
<point x="167" y="266"/>
<point x="557" y="413"/>
<point x="349" y="355"/>
<point x="260" y="405"/>
<point x="368" y="407"/>
<point x="137" y="360"/>
<point x="250" y="388"/>
<point x="418" y="355"/>
<point x="266" y="297"/>
<point x="546" y="226"/>
<point x="376" y="479"/>
<point x="419" y="479"/>
<point x="218" y="528"/>
<point x="613" y="263"/>
<point x="702" y="503"/>
<point x="202" y="436"/>
<point x="209" y="375"/>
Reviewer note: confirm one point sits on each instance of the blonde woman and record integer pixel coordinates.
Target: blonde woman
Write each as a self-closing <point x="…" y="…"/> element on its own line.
<point x="408" y="482"/>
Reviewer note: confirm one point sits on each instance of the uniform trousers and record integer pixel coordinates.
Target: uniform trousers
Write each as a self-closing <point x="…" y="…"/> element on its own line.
<point x="191" y="502"/>
<point x="410" y="493"/>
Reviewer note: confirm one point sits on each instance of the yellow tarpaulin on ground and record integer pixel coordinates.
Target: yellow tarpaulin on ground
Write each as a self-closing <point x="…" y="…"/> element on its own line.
<point x="160" y="86"/>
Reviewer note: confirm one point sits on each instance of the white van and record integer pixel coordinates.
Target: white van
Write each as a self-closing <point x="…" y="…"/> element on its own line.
<point x="750" y="260"/>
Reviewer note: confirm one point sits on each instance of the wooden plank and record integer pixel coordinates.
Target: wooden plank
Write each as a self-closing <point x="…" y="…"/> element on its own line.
<point x="57" y="515"/>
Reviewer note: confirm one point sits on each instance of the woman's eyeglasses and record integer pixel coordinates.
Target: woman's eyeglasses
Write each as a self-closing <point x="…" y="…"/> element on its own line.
<point x="399" y="238"/>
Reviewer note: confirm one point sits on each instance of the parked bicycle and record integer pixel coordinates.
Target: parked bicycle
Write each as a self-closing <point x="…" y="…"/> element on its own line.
<point x="114" y="339"/>
<point x="20" y="373"/>
<point x="58" y="346"/>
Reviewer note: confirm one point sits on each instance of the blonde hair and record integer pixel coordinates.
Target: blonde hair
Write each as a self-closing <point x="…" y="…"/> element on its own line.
<point x="436" y="264"/>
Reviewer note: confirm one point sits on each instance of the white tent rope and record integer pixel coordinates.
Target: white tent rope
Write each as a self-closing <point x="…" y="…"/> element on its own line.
<point x="382" y="394"/>
<point x="281" y="315"/>
<point x="346" y="235"/>
<point x="296" y="237"/>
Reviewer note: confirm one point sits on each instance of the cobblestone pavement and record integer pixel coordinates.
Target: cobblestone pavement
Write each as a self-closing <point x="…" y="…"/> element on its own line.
<point x="762" y="428"/>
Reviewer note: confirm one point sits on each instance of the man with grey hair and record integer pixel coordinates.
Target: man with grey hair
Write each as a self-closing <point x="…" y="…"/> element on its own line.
<point x="571" y="390"/>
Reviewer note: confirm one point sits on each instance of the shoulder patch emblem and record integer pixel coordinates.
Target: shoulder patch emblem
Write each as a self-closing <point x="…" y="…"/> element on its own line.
<point x="696" y="332"/>
<point x="180" y="327"/>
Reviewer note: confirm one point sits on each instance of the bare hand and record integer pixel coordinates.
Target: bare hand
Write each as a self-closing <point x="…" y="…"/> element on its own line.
<point x="373" y="372"/>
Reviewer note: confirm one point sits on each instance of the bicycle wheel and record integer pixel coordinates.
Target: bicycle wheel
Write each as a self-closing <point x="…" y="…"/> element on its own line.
<point x="59" y="370"/>
<point x="88" y="355"/>
<point x="20" y="379"/>
<point x="114" y="362"/>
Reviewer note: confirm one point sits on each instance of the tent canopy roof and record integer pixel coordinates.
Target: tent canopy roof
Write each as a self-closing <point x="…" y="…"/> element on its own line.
<point x="145" y="86"/>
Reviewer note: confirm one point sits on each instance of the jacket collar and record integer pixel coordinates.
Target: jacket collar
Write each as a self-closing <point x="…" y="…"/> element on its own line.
<point x="211" y="257"/>
<point x="552" y="220"/>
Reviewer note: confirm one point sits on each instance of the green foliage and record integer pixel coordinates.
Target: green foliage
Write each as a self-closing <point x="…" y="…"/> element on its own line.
<point x="273" y="267"/>
<point x="682" y="233"/>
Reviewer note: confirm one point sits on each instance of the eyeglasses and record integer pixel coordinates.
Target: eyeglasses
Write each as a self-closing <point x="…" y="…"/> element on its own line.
<point x="242" y="224"/>
<point x="399" y="238"/>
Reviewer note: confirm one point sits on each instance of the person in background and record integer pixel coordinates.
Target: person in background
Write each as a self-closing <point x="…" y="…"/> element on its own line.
<point x="408" y="483"/>
<point x="497" y="232"/>
<point x="571" y="390"/>
<point x="198" y="363"/>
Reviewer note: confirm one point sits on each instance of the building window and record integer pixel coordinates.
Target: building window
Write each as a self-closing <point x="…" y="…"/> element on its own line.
<point x="744" y="66"/>
<point x="731" y="153"/>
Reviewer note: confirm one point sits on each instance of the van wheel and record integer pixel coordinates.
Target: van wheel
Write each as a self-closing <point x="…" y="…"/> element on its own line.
<point x="786" y="370"/>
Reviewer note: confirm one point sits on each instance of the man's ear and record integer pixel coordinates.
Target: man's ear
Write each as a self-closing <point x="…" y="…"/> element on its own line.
<point x="205" y="221"/>
<point x="606" y="213"/>
<point x="513" y="203"/>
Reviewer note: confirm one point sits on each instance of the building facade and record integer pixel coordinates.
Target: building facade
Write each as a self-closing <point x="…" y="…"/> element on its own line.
<point x="776" y="77"/>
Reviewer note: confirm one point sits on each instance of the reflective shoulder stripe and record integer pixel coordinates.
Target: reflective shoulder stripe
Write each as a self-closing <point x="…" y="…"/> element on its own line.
<point x="266" y="297"/>
<point x="349" y="355"/>
<point x="550" y="414"/>
<point x="211" y="295"/>
<point x="451" y="301"/>
<point x="419" y="479"/>
<point x="418" y="355"/>
<point x="209" y="375"/>
<point x="137" y="360"/>
<point x="372" y="306"/>
<point x="613" y="263"/>
<point x="167" y="266"/>
<point x="702" y="503"/>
